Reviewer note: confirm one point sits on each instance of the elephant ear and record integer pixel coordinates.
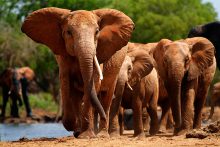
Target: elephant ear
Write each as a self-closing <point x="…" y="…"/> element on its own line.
<point x="158" y="54"/>
<point x="142" y="65"/>
<point x="202" y="51"/>
<point x="44" y="26"/>
<point x="115" y="32"/>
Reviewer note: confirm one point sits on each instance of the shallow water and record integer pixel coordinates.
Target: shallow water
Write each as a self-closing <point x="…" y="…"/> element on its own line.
<point x="13" y="132"/>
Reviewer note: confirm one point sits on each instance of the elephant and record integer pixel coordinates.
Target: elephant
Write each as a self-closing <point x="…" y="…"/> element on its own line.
<point x="11" y="87"/>
<point x="211" y="31"/>
<point x="215" y="95"/>
<point x="163" y="100"/>
<point x="186" y="68"/>
<point x="134" y="89"/>
<point x="81" y="40"/>
<point x="25" y="76"/>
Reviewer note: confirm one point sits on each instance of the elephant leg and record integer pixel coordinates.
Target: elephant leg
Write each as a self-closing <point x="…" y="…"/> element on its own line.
<point x="72" y="105"/>
<point x="214" y="97"/>
<point x="198" y="104"/>
<point x="5" y="100"/>
<point x="87" y="119"/>
<point x="165" y="106"/>
<point x="114" y="110"/>
<point x="152" y="110"/>
<point x="26" y="102"/>
<point x="106" y="100"/>
<point x="71" y="112"/>
<point x="137" y="117"/>
<point x="121" y="120"/>
<point x="146" y="120"/>
<point x="187" y="101"/>
<point x="14" y="106"/>
<point x="113" y="119"/>
<point x="170" y="121"/>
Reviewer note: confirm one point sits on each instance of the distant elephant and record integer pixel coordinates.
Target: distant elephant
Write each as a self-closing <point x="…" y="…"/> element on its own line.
<point x="211" y="31"/>
<point x="26" y="75"/>
<point x="11" y="87"/>
<point x="187" y="68"/>
<point x="215" y="97"/>
<point x="80" y="39"/>
<point x="135" y="89"/>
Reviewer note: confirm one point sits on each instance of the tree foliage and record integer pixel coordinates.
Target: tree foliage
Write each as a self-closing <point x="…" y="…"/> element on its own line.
<point x="154" y="19"/>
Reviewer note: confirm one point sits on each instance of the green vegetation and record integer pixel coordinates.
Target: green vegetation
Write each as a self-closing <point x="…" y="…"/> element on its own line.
<point x="43" y="101"/>
<point x="154" y="20"/>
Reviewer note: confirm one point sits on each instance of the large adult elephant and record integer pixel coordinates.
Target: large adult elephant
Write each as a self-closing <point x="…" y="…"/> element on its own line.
<point x="134" y="91"/>
<point x="80" y="39"/>
<point x="187" y="68"/>
<point x="11" y="87"/>
<point x="211" y="31"/>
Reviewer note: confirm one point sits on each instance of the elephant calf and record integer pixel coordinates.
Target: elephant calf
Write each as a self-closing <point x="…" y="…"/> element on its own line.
<point x="137" y="87"/>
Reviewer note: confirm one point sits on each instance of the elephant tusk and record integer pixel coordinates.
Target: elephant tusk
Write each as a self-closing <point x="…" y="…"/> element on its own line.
<point x="129" y="86"/>
<point x="98" y="68"/>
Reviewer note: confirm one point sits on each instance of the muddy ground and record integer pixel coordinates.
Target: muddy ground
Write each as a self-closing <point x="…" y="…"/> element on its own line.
<point x="210" y="137"/>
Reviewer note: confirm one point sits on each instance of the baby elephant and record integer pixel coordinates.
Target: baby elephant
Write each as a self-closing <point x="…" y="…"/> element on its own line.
<point x="137" y="87"/>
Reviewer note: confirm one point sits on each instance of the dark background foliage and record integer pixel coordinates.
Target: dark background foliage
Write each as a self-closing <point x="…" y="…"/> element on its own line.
<point x="154" y="20"/>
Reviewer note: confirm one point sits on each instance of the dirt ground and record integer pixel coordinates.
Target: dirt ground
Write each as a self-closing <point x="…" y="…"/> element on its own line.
<point x="210" y="138"/>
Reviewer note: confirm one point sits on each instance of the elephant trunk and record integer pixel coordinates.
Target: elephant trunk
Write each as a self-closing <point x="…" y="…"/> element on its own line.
<point x="86" y="62"/>
<point x="116" y="102"/>
<point x="175" y="77"/>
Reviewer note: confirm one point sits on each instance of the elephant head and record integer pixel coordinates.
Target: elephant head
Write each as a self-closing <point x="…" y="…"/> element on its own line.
<point x="81" y="34"/>
<point x="178" y="60"/>
<point x="26" y="72"/>
<point x="137" y="64"/>
<point x="211" y="31"/>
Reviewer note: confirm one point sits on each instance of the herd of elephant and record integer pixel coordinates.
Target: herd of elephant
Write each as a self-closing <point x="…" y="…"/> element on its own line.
<point x="100" y="71"/>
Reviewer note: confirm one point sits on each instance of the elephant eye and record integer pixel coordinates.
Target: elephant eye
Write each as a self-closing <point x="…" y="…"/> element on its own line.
<point x="129" y="68"/>
<point x="97" y="31"/>
<point x="69" y="32"/>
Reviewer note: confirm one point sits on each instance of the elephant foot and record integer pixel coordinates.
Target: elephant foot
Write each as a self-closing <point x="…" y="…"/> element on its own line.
<point x="178" y="131"/>
<point x="103" y="134"/>
<point x="140" y="136"/>
<point x="88" y="134"/>
<point x="153" y="131"/>
<point x="162" y="130"/>
<point x="114" y="134"/>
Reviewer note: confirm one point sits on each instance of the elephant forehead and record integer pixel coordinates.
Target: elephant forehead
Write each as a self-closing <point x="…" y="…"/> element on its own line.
<point x="178" y="48"/>
<point x="81" y="17"/>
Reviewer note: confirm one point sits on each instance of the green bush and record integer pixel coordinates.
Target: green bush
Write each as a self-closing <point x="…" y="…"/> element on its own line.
<point x="43" y="101"/>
